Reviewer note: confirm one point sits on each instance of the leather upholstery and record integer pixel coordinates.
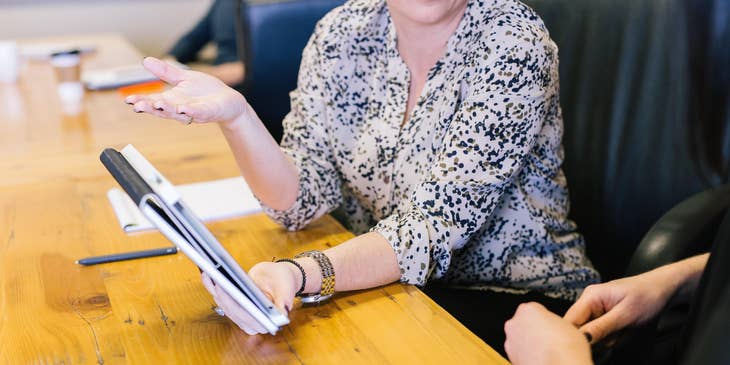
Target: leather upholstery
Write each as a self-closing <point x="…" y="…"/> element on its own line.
<point x="687" y="229"/>
<point x="275" y="35"/>
<point x="624" y="94"/>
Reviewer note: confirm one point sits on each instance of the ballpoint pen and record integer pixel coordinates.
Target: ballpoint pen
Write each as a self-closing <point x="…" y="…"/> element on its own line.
<point x="127" y="256"/>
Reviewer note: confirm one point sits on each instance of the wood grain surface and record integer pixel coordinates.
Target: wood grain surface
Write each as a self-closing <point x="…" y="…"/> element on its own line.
<point x="53" y="211"/>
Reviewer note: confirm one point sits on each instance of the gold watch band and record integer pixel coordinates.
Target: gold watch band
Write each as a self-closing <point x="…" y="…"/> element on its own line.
<point x="328" y="276"/>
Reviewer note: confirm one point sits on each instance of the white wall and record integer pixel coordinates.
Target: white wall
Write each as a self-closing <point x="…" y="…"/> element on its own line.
<point x="150" y="25"/>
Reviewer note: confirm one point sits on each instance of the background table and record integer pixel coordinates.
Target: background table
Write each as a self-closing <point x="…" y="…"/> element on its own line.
<point x="53" y="211"/>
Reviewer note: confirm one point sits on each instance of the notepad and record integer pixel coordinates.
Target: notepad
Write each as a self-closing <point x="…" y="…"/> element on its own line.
<point x="209" y="200"/>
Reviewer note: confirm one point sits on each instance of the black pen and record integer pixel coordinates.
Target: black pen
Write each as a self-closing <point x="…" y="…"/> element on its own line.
<point x="127" y="256"/>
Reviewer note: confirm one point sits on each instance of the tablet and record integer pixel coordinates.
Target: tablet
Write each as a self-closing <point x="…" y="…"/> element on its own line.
<point x="160" y="202"/>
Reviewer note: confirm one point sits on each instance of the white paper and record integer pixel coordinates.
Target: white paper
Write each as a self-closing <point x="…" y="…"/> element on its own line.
<point x="209" y="200"/>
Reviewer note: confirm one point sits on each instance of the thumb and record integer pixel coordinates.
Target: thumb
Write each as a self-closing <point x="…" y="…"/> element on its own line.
<point x="581" y="311"/>
<point x="278" y="296"/>
<point x="283" y="300"/>
<point x="606" y="324"/>
<point x="165" y="71"/>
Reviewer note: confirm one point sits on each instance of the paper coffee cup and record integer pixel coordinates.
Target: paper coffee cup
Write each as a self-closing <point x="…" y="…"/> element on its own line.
<point x="9" y="62"/>
<point x="67" y="66"/>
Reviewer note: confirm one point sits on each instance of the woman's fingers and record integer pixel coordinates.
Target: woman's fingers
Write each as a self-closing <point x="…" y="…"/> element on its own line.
<point x="580" y="312"/>
<point x="591" y="304"/>
<point x="208" y="283"/>
<point x="230" y="308"/>
<point x="161" y="105"/>
<point x="163" y="70"/>
<point x="237" y="314"/>
<point x="614" y="320"/>
<point x="283" y="300"/>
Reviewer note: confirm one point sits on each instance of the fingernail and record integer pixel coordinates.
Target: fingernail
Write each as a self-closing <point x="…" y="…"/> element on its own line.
<point x="588" y="337"/>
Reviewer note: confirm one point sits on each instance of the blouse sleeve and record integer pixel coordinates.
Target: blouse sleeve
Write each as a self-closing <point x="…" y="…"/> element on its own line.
<point x="306" y="143"/>
<point x="490" y="137"/>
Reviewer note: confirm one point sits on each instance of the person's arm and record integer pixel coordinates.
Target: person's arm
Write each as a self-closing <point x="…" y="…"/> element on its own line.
<point x="296" y="183"/>
<point x="187" y="47"/>
<point x="200" y="98"/>
<point x="603" y="309"/>
<point x="363" y="262"/>
<point x="536" y="336"/>
<point x="224" y="34"/>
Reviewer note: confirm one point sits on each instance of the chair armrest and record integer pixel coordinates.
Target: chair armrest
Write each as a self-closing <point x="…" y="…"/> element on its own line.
<point x="687" y="229"/>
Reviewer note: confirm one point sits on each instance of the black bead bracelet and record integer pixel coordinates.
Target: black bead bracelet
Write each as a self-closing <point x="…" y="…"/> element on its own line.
<point x="304" y="275"/>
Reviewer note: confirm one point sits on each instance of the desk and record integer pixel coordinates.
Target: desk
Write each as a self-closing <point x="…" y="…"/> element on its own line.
<point x="53" y="210"/>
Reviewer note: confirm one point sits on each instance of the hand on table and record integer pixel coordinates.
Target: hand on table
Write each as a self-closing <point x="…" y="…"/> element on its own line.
<point x="277" y="280"/>
<point x="194" y="95"/>
<point x="537" y="336"/>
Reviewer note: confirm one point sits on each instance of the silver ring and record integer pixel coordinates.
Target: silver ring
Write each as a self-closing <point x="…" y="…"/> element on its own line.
<point x="190" y="120"/>
<point x="219" y="311"/>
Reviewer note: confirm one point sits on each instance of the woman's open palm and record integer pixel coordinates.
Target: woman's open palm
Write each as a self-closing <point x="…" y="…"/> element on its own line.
<point x="194" y="96"/>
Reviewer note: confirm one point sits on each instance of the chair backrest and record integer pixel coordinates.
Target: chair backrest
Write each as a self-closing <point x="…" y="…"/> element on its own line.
<point x="624" y="93"/>
<point x="274" y="35"/>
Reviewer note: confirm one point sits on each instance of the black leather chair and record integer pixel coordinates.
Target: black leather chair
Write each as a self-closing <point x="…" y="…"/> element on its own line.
<point x="625" y="72"/>
<point x="274" y="35"/>
<point x="624" y="93"/>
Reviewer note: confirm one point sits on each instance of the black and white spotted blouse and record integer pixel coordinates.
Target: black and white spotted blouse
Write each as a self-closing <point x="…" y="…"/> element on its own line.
<point x="469" y="190"/>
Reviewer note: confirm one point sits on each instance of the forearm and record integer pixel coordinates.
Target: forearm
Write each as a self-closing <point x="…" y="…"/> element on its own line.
<point x="363" y="262"/>
<point x="682" y="277"/>
<point x="272" y="176"/>
<point x="691" y="271"/>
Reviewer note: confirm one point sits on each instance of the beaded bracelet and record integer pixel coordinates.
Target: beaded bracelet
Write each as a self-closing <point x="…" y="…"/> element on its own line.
<point x="304" y="275"/>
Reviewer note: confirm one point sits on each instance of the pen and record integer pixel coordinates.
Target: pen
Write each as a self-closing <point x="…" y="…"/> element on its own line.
<point x="127" y="256"/>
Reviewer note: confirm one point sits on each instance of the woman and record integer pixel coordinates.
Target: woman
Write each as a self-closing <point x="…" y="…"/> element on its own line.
<point x="436" y="125"/>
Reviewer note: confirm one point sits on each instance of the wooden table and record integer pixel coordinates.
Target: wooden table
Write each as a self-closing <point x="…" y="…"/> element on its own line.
<point x="53" y="210"/>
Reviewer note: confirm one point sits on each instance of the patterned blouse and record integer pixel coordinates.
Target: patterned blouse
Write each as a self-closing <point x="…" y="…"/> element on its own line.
<point x="469" y="190"/>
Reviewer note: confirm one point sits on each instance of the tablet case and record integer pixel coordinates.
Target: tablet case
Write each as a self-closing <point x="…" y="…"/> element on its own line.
<point x="161" y="204"/>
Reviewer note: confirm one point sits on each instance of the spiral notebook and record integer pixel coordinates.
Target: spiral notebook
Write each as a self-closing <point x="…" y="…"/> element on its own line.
<point x="209" y="200"/>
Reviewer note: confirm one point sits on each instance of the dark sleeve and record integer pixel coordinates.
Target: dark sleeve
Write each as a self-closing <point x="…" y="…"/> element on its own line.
<point x="186" y="48"/>
<point x="709" y="343"/>
<point x="223" y="31"/>
<point x="708" y="326"/>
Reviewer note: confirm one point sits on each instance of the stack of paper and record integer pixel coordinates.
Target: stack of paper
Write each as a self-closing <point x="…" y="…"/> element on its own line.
<point x="210" y="200"/>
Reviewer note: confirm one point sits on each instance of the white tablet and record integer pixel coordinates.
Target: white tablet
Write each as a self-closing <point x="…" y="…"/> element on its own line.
<point x="161" y="204"/>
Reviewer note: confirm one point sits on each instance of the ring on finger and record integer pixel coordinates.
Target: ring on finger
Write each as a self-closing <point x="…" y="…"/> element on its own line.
<point x="190" y="120"/>
<point x="220" y="311"/>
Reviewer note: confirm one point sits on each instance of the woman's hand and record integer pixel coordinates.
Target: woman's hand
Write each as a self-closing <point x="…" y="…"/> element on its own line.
<point x="606" y="308"/>
<point x="537" y="336"/>
<point x="194" y="97"/>
<point x="279" y="281"/>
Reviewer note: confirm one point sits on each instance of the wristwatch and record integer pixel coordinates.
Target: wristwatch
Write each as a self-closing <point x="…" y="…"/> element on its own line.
<point x="328" y="277"/>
